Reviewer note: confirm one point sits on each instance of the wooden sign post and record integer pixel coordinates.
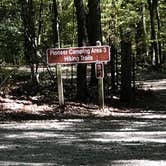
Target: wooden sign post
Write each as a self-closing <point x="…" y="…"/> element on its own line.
<point x="60" y="85"/>
<point x="99" y="67"/>
<point x="100" y="75"/>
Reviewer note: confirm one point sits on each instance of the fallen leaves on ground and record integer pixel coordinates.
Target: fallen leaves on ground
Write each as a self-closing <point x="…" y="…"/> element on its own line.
<point x="26" y="109"/>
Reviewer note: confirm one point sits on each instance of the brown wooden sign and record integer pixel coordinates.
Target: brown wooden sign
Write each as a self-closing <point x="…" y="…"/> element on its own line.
<point x="78" y="55"/>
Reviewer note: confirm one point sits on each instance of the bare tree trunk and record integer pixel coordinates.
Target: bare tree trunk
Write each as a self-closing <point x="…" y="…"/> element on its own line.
<point x="82" y="41"/>
<point x="158" y="35"/>
<point x="140" y="38"/>
<point x="40" y="23"/>
<point x="126" y="90"/>
<point x="154" y="49"/>
<point x="29" y="37"/>
<point x="55" y="24"/>
<point x="112" y="64"/>
<point x="94" y="29"/>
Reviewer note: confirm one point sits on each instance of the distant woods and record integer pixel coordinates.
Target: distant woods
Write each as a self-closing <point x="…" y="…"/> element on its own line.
<point x="135" y="31"/>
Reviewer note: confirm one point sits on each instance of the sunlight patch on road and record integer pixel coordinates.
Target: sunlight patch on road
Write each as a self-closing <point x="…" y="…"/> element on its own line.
<point x="34" y="135"/>
<point x="2" y="147"/>
<point x="27" y="163"/>
<point x="154" y="84"/>
<point x="138" y="163"/>
<point x="154" y="116"/>
<point x="50" y="136"/>
<point x="128" y="129"/>
<point x="44" y="125"/>
<point x="143" y="137"/>
<point x="149" y="115"/>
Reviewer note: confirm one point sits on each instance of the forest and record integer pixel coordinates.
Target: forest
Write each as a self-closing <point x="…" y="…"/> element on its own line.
<point x="134" y="30"/>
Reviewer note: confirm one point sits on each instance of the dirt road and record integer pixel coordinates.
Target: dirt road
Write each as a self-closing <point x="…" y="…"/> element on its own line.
<point x="135" y="141"/>
<point x="127" y="138"/>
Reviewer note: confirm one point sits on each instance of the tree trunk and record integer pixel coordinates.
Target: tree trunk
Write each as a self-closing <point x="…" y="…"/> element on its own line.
<point x="140" y="38"/>
<point x="126" y="90"/>
<point x="112" y="65"/>
<point x="55" y="25"/>
<point x="114" y="59"/>
<point x="94" y="29"/>
<point x="94" y="22"/>
<point x="40" y="24"/>
<point x="154" y="49"/>
<point x="82" y="41"/>
<point x="158" y="35"/>
<point x="29" y="38"/>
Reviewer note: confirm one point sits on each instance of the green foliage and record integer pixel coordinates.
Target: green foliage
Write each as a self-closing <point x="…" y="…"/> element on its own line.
<point x="67" y="21"/>
<point x="115" y="14"/>
<point x="10" y="33"/>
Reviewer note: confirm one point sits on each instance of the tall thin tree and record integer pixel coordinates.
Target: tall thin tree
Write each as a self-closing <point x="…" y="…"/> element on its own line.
<point x="140" y="36"/>
<point x="154" y="49"/>
<point x="94" y="29"/>
<point x="29" y="37"/>
<point x="55" y="24"/>
<point x="126" y="90"/>
<point x="82" y="41"/>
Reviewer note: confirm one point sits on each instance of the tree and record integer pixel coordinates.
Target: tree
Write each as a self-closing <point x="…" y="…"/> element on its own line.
<point x="39" y="23"/>
<point x="126" y="90"/>
<point x="82" y="41"/>
<point x="10" y="33"/>
<point x="55" y="25"/>
<point x="94" y="29"/>
<point x="140" y="35"/>
<point x="153" y="49"/>
<point x="29" y="37"/>
<point x="162" y="30"/>
<point x="94" y="22"/>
